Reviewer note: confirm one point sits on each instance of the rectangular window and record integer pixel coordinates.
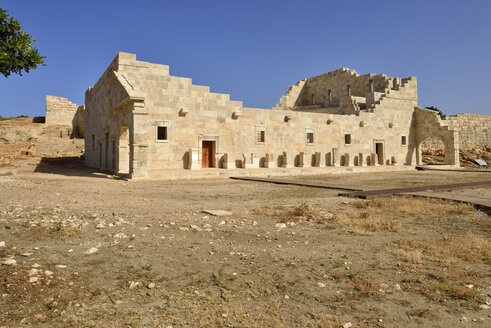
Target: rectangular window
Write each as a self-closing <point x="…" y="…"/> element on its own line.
<point x="403" y="140"/>
<point x="162" y="133"/>
<point x="93" y="142"/>
<point x="162" y="130"/>
<point x="260" y="134"/>
<point x="347" y="139"/>
<point x="310" y="135"/>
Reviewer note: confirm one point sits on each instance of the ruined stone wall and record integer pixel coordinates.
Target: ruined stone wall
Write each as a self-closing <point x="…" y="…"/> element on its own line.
<point x="134" y="99"/>
<point x="60" y="111"/>
<point x="429" y="125"/>
<point x="345" y="92"/>
<point x="474" y="131"/>
<point x="193" y="114"/>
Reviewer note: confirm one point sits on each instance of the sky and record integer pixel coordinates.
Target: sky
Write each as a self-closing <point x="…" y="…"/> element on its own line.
<point x="254" y="50"/>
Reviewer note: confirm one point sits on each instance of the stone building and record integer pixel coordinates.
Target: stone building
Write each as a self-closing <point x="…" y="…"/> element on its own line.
<point x="142" y="122"/>
<point x="62" y="112"/>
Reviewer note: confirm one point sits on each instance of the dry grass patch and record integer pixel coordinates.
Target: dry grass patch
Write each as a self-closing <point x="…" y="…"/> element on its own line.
<point x="365" y="222"/>
<point x="302" y="212"/>
<point x="468" y="247"/>
<point x="415" y="206"/>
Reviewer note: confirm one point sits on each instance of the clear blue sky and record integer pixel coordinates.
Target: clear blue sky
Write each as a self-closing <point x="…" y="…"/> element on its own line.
<point x="254" y="50"/>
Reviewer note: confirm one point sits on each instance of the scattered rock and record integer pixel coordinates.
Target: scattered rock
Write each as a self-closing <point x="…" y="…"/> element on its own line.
<point x="218" y="212"/>
<point x="133" y="284"/>
<point x="280" y="225"/>
<point x="48" y="273"/>
<point x="151" y="285"/>
<point x="347" y="325"/>
<point x="2" y="243"/>
<point x="9" y="261"/>
<point x="32" y="272"/>
<point x="4" y="172"/>
<point x="33" y="279"/>
<point x="26" y="254"/>
<point x="61" y="266"/>
<point x="91" y="250"/>
<point x="484" y="306"/>
<point x="195" y="227"/>
<point x="321" y="284"/>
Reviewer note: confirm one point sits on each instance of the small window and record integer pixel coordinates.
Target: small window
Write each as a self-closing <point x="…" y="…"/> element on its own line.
<point x="162" y="133"/>
<point x="310" y="137"/>
<point x="347" y="139"/>
<point x="309" y="134"/>
<point x="93" y="142"/>
<point x="403" y="140"/>
<point x="260" y="136"/>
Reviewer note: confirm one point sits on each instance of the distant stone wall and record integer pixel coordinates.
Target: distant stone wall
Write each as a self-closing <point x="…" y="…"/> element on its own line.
<point x="60" y="111"/>
<point x="474" y="131"/>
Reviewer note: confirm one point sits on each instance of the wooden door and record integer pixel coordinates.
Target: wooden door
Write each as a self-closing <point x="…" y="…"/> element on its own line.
<point x="379" y="149"/>
<point x="207" y="155"/>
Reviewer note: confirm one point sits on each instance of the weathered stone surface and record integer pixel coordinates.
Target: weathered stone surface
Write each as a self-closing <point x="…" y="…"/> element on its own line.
<point x="218" y="212"/>
<point x="135" y="123"/>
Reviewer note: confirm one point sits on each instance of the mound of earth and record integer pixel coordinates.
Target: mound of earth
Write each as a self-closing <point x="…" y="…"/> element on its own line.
<point x="24" y="144"/>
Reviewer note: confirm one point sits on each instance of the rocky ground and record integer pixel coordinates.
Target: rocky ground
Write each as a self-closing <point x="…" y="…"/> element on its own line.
<point x="85" y="250"/>
<point x="436" y="156"/>
<point x="82" y="249"/>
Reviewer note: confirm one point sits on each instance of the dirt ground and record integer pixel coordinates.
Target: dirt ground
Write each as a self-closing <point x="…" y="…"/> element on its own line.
<point x="85" y="250"/>
<point x="82" y="249"/>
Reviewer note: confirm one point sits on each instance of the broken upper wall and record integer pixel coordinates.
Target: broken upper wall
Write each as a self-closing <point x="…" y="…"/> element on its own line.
<point x="474" y="131"/>
<point x="60" y="111"/>
<point x="428" y="124"/>
<point x="345" y="92"/>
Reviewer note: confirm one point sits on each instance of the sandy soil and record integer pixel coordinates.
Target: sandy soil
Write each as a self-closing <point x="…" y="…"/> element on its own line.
<point x="93" y="251"/>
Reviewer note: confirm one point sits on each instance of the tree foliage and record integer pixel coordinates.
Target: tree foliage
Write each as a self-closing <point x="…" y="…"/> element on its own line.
<point x="16" y="50"/>
<point x="443" y="116"/>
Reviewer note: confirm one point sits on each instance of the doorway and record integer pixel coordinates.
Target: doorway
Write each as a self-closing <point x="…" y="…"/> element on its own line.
<point x="207" y="154"/>
<point x="379" y="150"/>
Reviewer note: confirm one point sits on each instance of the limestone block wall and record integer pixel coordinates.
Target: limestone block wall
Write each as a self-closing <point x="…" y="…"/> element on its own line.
<point x="474" y="131"/>
<point x="429" y="125"/>
<point x="339" y="88"/>
<point x="80" y="118"/>
<point x="60" y="111"/>
<point x="133" y="99"/>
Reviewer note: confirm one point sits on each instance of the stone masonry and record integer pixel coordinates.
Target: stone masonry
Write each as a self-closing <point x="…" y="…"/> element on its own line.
<point x="474" y="131"/>
<point x="143" y="122"/>
<point x="60" y="111"/>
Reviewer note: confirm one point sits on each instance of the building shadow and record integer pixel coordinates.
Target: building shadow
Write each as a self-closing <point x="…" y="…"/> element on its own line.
<point x="73" y="166"/>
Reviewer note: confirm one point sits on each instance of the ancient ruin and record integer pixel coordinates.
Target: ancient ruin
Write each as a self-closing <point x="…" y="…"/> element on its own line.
<point x="142" y="122"/>
<point x="60" y="111"/>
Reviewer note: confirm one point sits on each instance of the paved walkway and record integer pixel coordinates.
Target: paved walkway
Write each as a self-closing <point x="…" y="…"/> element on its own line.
<point x="369" y="192"/>
<point x="448" y="187"/>
<point x="432" y="168"/>
<point x="304" y="184"/>
<point x="482" y="203"/>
